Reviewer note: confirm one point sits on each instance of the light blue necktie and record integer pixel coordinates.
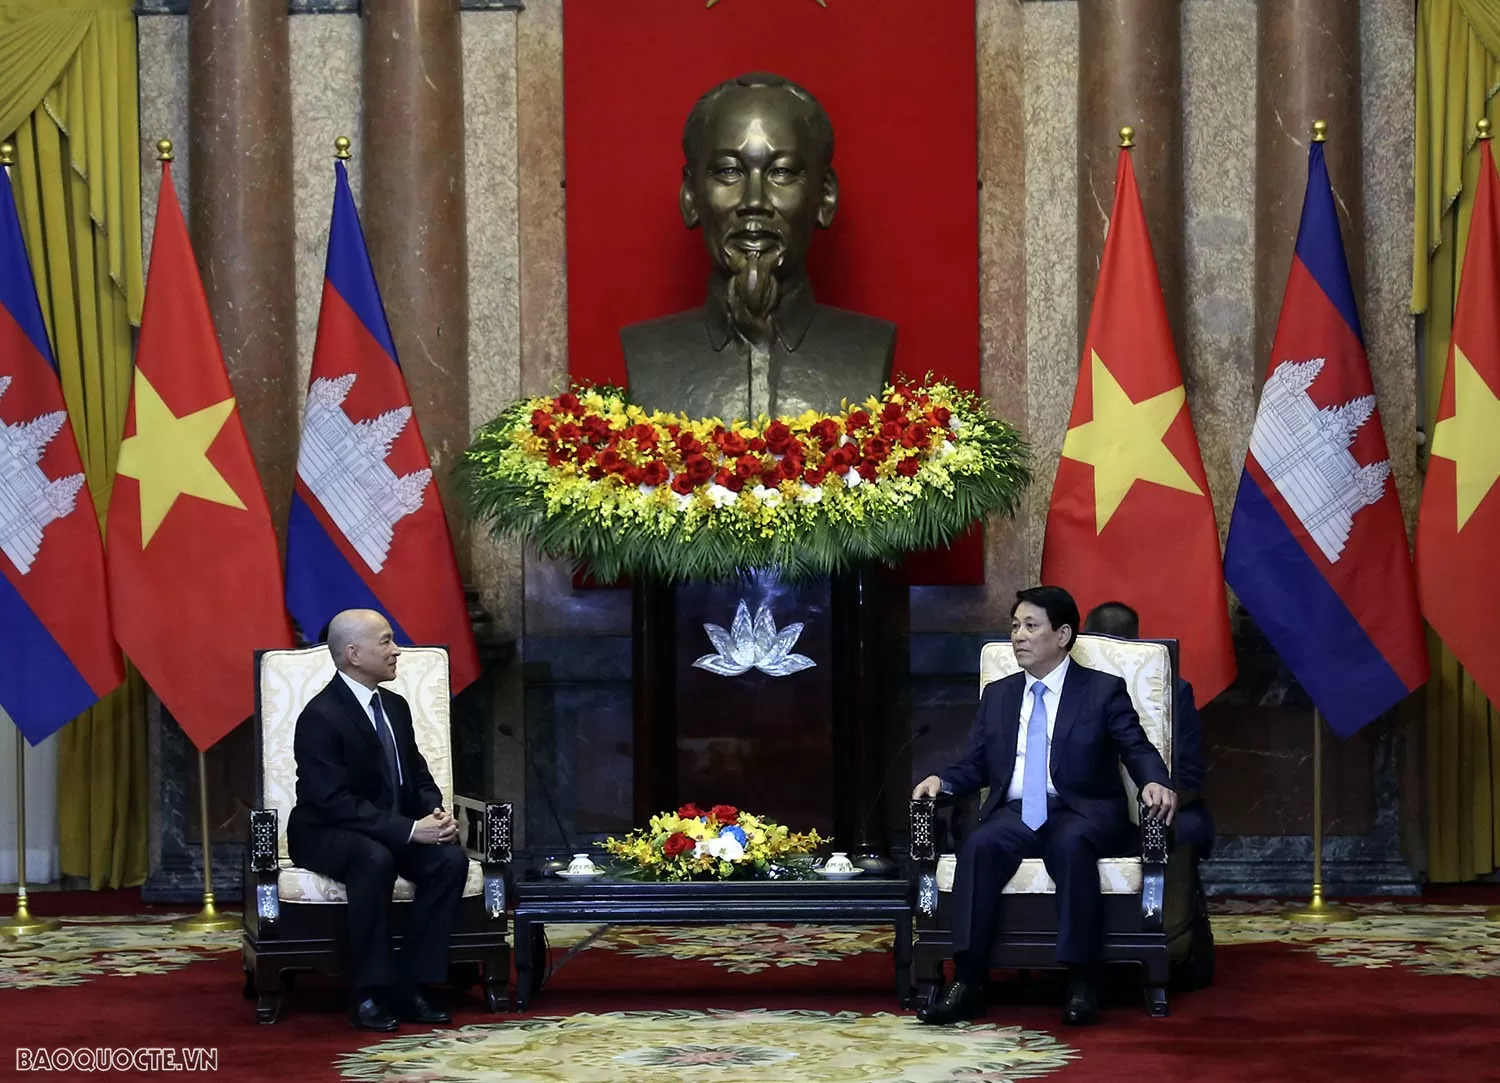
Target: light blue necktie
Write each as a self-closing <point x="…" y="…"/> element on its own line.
<point x="1034" y="781"/>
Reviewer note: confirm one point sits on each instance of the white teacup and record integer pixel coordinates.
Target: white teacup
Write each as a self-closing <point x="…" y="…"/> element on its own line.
<point x="582" y="865"/>
<point x="839" y="862"/>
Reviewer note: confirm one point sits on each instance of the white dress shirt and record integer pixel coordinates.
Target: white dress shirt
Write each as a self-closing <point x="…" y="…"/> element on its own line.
<point x="365" y="695"/>
<point x="1053" y="683"/>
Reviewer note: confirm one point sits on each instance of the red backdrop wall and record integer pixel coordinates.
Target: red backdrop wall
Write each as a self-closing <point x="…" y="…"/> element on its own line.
<point x="899" y="82"/>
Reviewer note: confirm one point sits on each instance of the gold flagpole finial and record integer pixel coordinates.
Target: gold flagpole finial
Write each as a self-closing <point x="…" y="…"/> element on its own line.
<point x="341" y="148"/>
<point x="163" y="150"/>
<point x="1482" y="129"/>
<point x="1320" y="131"/>
<point x="1127" y="136"/>
<point x="7" y="154"/>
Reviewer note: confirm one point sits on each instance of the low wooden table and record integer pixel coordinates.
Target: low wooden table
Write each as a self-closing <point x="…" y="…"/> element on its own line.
<point x="862" y="901"/>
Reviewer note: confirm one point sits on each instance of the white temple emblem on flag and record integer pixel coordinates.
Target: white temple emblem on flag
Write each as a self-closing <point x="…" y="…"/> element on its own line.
<point x="1304" y="450"/>
<point x="29" y="499"/>
<point x="343" y="462"/>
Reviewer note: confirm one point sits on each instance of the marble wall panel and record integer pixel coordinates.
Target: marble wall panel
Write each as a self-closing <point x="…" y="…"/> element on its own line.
<point x="491" y="167"/>
<point x="1219" y="366"/>
<point x="162" y="45"/>
<point x="1051" y="99"/>
<point x="1388" y="34"/>
<point x="326" y="102"/>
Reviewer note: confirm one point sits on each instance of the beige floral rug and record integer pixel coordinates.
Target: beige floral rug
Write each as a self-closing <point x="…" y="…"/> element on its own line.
<point x="1425" y="937"/>
<point x="96" y="947"/>
<point x="754" y="1046"/>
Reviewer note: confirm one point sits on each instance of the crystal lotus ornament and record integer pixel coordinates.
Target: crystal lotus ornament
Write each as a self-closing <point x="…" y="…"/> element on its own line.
<point x="754" y="645"/>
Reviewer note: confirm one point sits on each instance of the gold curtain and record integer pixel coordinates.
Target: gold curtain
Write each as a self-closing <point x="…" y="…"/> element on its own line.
<point x="68" y="92"/>
<point x="1458" y="74"/>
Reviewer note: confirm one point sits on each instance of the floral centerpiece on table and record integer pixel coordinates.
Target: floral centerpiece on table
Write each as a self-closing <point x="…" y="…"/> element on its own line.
<point x="717" y="844"/>
<point x="592" y="478"/>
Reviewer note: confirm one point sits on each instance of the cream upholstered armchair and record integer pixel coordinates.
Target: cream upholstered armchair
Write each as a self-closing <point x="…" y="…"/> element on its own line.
<point x="1133" y="886"/>
<point x="295" y="919"/>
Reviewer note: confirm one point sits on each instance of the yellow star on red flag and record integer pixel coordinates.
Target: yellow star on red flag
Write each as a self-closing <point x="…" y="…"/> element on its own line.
<point x="1468" y="437"/>
<point x="1123" y="442"/>
<point x="168" y="455"/>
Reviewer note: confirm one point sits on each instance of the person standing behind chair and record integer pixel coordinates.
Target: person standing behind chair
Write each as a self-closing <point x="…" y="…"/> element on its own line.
<point x="367" y="810"/>
<point x="1047" y="741"/>
<point x="1194" y="825"/>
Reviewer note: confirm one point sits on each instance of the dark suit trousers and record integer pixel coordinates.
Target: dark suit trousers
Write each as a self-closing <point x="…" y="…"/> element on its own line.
<point x="368" y="871"/>
<point x="1069" y="845"/>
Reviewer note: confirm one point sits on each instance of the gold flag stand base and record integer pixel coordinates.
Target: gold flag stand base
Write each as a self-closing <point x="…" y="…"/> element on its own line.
<point x="24" y="923"/>
<point x="1320" y="909"/>
<point x="207" y="920"/>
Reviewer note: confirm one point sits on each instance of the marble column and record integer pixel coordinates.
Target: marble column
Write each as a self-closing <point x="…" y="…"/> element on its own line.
<point x="414" y="209"/>
<point x="241" y="210"/>
<point x="1130" y="73"/>
<point x="1308" y="68"/>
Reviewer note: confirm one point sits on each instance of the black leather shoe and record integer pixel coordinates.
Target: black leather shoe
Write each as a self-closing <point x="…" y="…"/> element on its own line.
<point x="961" y="1000"/>
<point x="369" y="1014"/>
<point x="1081" y="1009"/>
<point x="415" y="1008"/>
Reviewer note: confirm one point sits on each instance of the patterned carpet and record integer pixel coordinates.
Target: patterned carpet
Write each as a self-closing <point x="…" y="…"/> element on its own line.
<point x="1425" y="938"/>
<point x="95" y="947"/>
<point x="788" y="1004"/>
<point x="748" y="1046"/>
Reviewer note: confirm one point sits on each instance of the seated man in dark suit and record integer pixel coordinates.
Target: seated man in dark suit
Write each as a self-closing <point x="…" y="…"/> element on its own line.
<point x="1193" y="829"/>
<point x="1048" y="742"/>
<point x="367" y="809"/>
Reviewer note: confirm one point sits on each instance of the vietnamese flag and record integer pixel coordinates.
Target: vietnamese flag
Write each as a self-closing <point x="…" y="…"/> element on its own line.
<point x="194" y="575"/>
<point x="1458" y="526"/>
<point x="1131" y="519"/>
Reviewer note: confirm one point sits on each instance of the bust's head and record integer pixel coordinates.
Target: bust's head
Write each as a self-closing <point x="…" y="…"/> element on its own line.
<point x="758" y="177"/>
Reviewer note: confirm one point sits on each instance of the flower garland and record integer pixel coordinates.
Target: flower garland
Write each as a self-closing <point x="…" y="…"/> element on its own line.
<point x="717" y="844"/>
<point x="591" y="478"/>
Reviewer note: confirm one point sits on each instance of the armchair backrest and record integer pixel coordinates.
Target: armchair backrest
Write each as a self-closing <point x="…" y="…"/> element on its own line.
<point x="1148" y="667"/>
<point x="285" y="680"/>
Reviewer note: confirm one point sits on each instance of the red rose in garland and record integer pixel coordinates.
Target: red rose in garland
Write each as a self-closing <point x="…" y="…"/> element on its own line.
<point x="677" y="844"/>
<point x="725" y="814"/>
<point x="690" y="811"/>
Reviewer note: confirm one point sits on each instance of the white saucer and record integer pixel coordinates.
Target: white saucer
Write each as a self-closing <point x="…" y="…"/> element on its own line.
<point x="582" y="875"/>
<point x="850" y="875"/>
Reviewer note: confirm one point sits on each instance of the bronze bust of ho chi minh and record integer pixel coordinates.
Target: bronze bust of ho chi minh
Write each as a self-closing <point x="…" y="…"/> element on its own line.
<point x="758" y="178"/>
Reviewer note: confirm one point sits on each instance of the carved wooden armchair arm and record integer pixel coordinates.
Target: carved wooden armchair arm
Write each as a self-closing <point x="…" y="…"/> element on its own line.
<point x="484" y="830"/>
<point x="929" y="832"/>
<point x="1153" y="869"/>
<point x="262" y="871"/>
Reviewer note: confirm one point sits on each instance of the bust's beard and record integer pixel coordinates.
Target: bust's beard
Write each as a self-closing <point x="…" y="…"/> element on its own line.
<point x="753" y="293"/>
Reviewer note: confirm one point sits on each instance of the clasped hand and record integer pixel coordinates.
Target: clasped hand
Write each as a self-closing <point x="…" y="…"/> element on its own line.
<point x="437" y="828"/>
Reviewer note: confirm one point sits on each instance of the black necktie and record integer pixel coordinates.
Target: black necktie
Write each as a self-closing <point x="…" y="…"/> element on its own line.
<point x="388" y="741"/>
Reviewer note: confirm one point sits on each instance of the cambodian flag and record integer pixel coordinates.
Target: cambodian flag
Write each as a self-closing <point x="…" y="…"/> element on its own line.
<point x="367" y="528"/>
<point x="1317" y="548"/>
<point x="58" y="649"/>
